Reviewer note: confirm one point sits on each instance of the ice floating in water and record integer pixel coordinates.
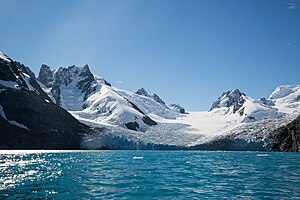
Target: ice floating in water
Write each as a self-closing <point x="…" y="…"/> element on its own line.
<point x="262" y="155"/>
<point x="137" y="157"/>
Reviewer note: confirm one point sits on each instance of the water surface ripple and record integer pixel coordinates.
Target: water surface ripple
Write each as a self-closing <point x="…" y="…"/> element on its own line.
<point x="148" y="175"/>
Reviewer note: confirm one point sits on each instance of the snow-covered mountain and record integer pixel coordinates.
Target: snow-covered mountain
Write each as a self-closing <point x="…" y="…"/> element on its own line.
<point x="235" y="105"/>
<point x="286" y="99"/>
<point x="91" y="98"/>
<point x="128" y="120"/>
<point x="28" y="117"/>
<point x="94" y="101"/>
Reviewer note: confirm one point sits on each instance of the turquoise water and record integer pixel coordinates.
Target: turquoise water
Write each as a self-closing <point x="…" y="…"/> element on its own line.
<point x="148" y="175"/>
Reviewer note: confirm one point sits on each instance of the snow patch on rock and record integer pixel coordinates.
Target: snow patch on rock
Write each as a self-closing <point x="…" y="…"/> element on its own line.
<point x="12" y="122"/>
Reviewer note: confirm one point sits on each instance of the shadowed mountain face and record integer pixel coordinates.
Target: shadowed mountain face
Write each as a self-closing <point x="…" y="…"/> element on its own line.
<point x="287" y="138"/>
<point x="28" y="117"/>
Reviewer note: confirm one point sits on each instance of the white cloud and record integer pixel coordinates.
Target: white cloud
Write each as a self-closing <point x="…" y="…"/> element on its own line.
<point x="293" y="5"/>
<point x="120" y="82"/>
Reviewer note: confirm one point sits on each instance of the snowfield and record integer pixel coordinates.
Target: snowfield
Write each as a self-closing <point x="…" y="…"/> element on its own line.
<point x="287" y="99"/>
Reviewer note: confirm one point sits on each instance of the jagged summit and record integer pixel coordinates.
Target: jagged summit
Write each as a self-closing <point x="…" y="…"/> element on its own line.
<point x="46" y="76"/>
<point x="69" y="86"/>
<point x="238" y="106"/>
<point x="92" y="98"/>
<point x="142" y="92"/>
<point x="158" y="99"/>
<point x="177" y="108"/>
<point x="229" y="98"/>
<point x="4" y="57"/>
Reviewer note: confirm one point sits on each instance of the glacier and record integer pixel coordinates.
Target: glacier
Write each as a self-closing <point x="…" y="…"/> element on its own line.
<point x="235" y="119"/>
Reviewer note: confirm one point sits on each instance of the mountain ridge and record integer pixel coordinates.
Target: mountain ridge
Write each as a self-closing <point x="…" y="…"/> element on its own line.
<point x="30" y="117"/>
<point x="122" y="118"/>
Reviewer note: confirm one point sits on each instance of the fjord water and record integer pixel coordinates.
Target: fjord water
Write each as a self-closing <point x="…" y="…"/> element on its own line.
<point x="148" y="175"/>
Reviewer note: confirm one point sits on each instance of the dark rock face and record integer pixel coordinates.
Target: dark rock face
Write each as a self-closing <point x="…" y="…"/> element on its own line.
<point x="230" y="98"/>
<point x="238" y="104"/>
<point x="133" y="126"/>
<point x="46" y="76"/>
<point x="147" y="120"/>
<point x="158" y="99"/>
<point x="135" y="107"/>
<point x="25" y="69"/>
<point x="267" y="102"/>
<point x="142" y="92"/>
<point x="55" y="90"/>
<point x="47" y="126"/>
<point x="177" y="108"/>
<point x="287" y="138"/>
<point x="82" y="77"/>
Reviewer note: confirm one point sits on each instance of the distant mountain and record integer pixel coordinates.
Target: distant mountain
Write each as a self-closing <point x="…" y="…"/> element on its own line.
<point x="28" y="117"/>
<point x="142" y="92"/>
<point x="178" y="108"/>
<point x="286" y="99"/>
<point x="155" y="97"/>
<point x="243" y="108"/>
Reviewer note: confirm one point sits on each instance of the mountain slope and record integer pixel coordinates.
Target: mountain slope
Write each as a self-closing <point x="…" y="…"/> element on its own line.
<point x="235" y="105"/>
<point x="89" y="97"/>
<point x="29" y="119"/>
<point x="286" y="99"/>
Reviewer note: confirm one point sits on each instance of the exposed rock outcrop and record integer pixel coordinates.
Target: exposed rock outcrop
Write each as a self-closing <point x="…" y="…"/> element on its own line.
<point x="230" y="98"/>
<point x="46" y="76"/>
<point x="177" y="108"/>
<point x="287" y="138"/>
<point x="142" y="92"/>
<point x="158" y="99"/>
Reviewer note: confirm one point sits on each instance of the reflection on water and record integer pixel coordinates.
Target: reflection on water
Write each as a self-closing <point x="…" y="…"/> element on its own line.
<point x="148" y="175"/>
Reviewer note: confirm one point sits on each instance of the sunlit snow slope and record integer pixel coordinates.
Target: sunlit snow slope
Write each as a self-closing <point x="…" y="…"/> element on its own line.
<point x="92" y="98"/>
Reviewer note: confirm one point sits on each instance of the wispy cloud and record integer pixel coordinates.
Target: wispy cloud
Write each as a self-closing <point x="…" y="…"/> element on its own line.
<point x="120" y="82"/>
<point x="293" y="5"/>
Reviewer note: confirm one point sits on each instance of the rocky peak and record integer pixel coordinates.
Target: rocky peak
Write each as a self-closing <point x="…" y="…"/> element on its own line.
<point x="46" y="76"/>
<point x="102" y="81"/>
<point x="266" y="102"/>
<point x="82" y="76"/>
<point x="4" y="58"/>
<point x="142" y="92"/>
<point x="155" y="97"/>
<point x="228" y="99"/>
<point x="158" y="99"/>
<point x="176" y="107"/>
<point x="16" y="76"/>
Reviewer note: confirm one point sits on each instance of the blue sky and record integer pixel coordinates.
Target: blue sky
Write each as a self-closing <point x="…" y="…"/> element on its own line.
<point x="186" y="51"/>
